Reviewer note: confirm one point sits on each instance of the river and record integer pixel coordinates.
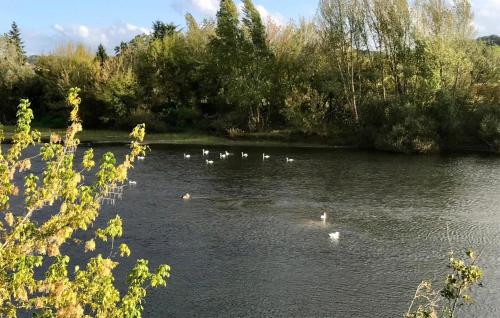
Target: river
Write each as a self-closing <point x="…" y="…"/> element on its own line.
<point x="250" y="242"/>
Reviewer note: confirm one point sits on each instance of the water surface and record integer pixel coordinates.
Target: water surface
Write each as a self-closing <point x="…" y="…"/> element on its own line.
<point x="251" y="244"/>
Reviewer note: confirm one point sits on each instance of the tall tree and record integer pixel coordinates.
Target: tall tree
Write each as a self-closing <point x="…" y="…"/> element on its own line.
<point x="257" y="65"/>
<point x="228" y="35"/>
<point x="120" y="49"/>
<point x="16" y="77"/>
<point x="253" y="23"/>
<point x="162" y="29"/>
<point x="225" y="55"/>
<point x="343" y="25"/>
<point x="14" y="37"/>
<point x="192" y="25"/>
<point x="101" y="54"/>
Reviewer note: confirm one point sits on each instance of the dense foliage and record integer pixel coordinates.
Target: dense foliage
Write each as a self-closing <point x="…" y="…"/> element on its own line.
<point x="400" y="75"/>
<point x="54" y="207"/>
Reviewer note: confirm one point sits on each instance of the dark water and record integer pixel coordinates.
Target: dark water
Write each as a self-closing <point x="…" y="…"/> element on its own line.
<point x="251" y="244"/>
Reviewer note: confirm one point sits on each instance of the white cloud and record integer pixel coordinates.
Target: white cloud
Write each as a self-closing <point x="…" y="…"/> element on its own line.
<point x="265" y="15"/>
<point x="134" y="28"/>
<point x="83" y="31"/>
<point x="58" y="27"/>
<point x="109" y="36"/>
<point x="487" y="15"/>
<point x="207" y="8"/>
<point x="276" y="18"/>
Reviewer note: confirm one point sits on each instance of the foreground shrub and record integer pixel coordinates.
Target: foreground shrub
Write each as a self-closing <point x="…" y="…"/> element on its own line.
<point x="463" y="277"/>
<point x="35" y="275"/>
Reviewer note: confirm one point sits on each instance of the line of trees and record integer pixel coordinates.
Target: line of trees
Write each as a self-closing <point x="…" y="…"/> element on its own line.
<point x="399" y="75"/>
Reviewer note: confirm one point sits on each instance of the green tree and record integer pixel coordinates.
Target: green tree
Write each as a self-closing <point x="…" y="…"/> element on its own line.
<point x="257" y="67"/>
<point x="343" y="24"/>
<point x="225" y="50"/>
<point x="120" y="49"/>
<point x="16" y="77"/>
<point x="303" y="79"/>
<point x="117" y="90"/>
<point x="14" y="36"/>
<point x="101" y="55"/>
<point x="161" y="29"/>
<point x="69" y="66"/>
<point x="228" y="35"/>
<point x="254" y="26"/>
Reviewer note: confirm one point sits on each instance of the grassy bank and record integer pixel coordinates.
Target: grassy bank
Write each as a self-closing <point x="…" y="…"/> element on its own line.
<point x="268" y="139"/>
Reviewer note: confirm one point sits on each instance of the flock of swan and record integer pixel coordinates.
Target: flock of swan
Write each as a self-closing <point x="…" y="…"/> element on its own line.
<point x="334" y="236"/>
<point x="226" y="154"/>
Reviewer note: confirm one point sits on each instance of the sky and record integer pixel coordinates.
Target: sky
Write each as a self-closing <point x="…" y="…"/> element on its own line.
<point x="46" y="24"/>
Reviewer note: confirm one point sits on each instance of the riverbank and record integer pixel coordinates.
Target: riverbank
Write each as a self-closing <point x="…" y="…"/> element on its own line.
<point x="277" y="138"/>
<point x="267" y="139"/>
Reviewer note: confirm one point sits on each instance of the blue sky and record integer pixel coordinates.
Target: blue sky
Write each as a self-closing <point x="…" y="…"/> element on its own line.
<point x="45" y="24"/>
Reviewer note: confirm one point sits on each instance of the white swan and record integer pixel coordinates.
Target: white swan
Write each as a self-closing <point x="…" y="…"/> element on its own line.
<point x="289" y="159"/>
<point x="186" y="196"/>
<point x="264" y="156"/>
<point x="323" y="216"/>
<point x="187" y="156"/>
<point x="131" y="182"/>
<point x="222" y="156"/>
<point x="334" y="235"/>
<point x="227" y="153"/>
<point x="209" y="162"/>
<point x="206" y="152"/>
<point x="140" y="158"/>
<point x="244" y="155"/>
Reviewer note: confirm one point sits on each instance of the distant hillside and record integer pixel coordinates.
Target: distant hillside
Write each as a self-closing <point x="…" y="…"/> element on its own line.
<point x="490" y="39"/>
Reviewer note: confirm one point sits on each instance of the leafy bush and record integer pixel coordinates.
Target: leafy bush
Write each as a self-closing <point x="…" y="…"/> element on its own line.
<point x="406" y="129"/>
<point x="489" y="130"/>
<point x="35" y="274"/>
<point x="463" y="277"/>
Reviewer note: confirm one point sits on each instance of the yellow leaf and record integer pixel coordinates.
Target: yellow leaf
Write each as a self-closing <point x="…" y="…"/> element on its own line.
<point x="89" y="246"/>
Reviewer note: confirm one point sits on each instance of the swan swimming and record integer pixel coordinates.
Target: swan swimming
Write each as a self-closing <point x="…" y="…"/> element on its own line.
<point x="131" y="182"/>
<point x="323" y="216"/>
<point x="209" y="162"/>
<point x="206" y="152"/>
<point x="222" y="156"/>
<point x="335" y="235"/>
<point x="227" y="153"/>
<point x="264" y="156"/>
<point x="187" y="156"/>
<point x="244" y="155"/>
<point x="140" y="158"/>
<point x="289" y="159"/>
<point x="186" y="196"/>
